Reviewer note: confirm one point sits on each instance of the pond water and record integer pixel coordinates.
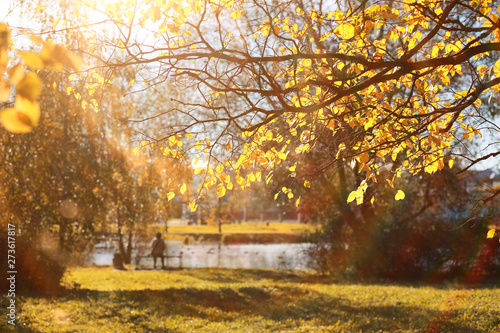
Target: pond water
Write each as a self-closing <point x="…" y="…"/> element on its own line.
<point x="277" y="256"/>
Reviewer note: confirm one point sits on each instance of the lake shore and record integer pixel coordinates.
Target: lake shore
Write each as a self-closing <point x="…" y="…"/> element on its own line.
<point x="238" y="238"/>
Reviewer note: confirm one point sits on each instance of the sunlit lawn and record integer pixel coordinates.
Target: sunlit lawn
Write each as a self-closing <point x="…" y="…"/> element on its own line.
<point x="226" y="300"/>
<point x="243" y="227"/>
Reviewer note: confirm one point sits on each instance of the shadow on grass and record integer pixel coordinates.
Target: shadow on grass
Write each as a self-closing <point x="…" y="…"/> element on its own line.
<point x="276" y="304"/>
<point x="223" y="275"/>
<point x="309" y="277"/>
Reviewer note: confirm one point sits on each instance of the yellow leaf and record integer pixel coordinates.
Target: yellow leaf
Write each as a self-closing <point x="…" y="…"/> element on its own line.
<point x="450" y="163"/>
<point x="344" y="31"/>
<point x="351" y="197"/>
<point x="236" y="14"/>
<point x="183" y="189"/>
<point x="219" y="168"/>
<point x="221" y="190"/>
<point x="491" y="233"/>
<point x="131" y="83"/>
<point x="496" y="68"/>
<point x="16" y="74"/>
<point x="156" y="15"/>
<point x="30" y="109"/>
<point x="400" y="195"/>
<point x="73" y="61"/>
<point x="57" y="56"/>
<point x="4" y="90"/>
<point x="265" y="28"/>
<point x="364" y="157"/>
<point x="359" y="200"/>
<point x="32" y="60"/>
<point x="170" y="195"/>
<point x="30" y="87"/>
<point x="290" y="195"/>
<point x="339" y="15"/>
<point x="189" y="135"/>
<point x="22" y="118"/>
<point x="136" y="150"/>
<point x="306" y="62"/>
<point x="297" y="202"/>
<point x="55" y="23"/>
<point x="193" y="205"/>
<point x="307" y="184"/>
<point x="435" y="51"/>
<point x="251" y="177"/>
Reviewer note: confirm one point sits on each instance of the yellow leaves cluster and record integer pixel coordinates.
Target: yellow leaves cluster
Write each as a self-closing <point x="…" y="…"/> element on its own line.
<point x="53" y="56"/>
<point x="345" y="30"/>
<point x="22" y="118"/>
<point x="389" y="126"/>
<point x="193" y="205"/>
<point x="358" y="194"/>
<point x="25" y="114"/>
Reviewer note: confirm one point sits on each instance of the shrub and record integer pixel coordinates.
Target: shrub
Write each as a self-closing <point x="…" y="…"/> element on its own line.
<point x="38" y="271"/>
<point x="423" y="250"/>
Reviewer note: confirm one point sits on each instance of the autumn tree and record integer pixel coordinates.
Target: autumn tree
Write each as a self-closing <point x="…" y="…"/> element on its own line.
<point x="54" y="177"/>
<point x="392" y="82"/>
<point x="62" y="163"/>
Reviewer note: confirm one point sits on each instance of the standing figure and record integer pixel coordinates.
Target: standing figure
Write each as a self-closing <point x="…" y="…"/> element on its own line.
<point x="158" y="247"/>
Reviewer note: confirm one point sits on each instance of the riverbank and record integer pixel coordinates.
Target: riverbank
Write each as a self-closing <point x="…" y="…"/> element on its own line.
<point x="242" y="300"/>
<point x="242" y="228"/>
<point x="238" y="238"/>
<point x="236" y="233"/>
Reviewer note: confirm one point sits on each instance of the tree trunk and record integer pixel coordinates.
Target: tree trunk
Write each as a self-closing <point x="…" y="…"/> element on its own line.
<point x="121" y="246"/>
<point x="62" y="232"/>
<point x="127" y="258"/>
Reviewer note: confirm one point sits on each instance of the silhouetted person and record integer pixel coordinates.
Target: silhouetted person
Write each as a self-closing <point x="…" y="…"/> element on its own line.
<point x="158" y="247"/>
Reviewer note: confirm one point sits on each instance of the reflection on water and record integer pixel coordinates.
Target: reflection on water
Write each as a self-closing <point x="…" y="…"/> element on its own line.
<point x="283" y="256"/>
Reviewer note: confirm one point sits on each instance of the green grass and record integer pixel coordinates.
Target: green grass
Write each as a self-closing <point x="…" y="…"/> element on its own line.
<point x="226" y="300"/>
